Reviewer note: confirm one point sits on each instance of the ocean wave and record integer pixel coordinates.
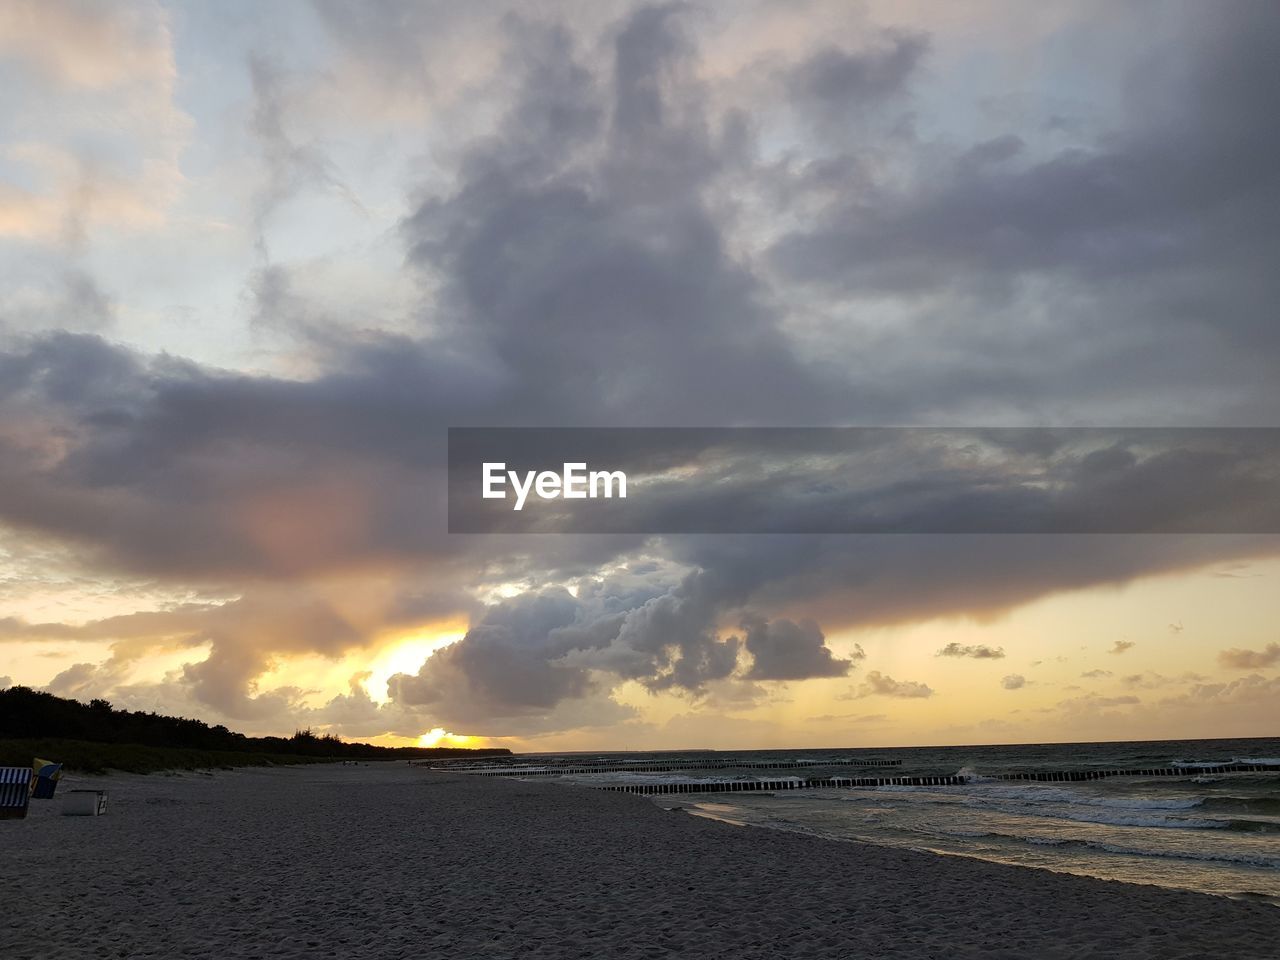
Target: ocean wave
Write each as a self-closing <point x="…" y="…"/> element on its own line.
<point x="1254" y="826"/>
<point x="1128" y="850"/>
<point x="1116" y="811"/>
<point x="1216" y="856"/>
<point x="1005" y="792"/>
<point x="1263" y="805"/>
<point x="1128" y="812"/>
<point x="643" y="778"/>
<point x="1202" y="764"/>
<point x="1206" y="856"/>
<point x="1199" y="764"/>
<point x="1110" y="818"/>
<point x="1074" y="798"/>
<point x="981" y="794"/>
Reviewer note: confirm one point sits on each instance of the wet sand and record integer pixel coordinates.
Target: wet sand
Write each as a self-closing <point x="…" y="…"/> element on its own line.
<point x="390" y="861"/>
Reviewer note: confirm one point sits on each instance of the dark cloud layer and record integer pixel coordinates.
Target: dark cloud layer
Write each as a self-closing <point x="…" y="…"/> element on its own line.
<point x="785" y="650"/>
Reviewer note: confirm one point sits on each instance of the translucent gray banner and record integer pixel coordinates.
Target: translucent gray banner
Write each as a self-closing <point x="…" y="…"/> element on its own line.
<point x="863" y="480"/>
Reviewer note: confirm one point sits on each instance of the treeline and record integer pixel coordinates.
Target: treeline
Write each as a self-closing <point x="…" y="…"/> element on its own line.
<point x="27" y="714"/>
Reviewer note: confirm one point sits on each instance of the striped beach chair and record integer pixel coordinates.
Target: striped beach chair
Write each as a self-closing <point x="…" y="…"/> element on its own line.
<point x="15" y="792"/>
<point x="45" y="775"/>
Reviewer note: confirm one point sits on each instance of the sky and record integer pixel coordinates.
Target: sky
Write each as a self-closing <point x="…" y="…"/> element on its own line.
<point x="255" y="259"/>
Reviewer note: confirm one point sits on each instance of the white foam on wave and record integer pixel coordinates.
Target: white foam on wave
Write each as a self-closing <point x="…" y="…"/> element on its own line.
<point x="1204" y="856"/>
<point x="1251" y="859"/>
<point x="1114" y="819"/>
<point x="623" y="776"/>
<point x="1058" y="795"/>
<point x="982" y="794"/>
<point x="1206" y="764"/>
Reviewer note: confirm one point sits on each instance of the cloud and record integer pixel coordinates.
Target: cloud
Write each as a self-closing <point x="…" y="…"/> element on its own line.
<point x="977" y="652"/>
<point x="878" y="684"/>
<point x="1014" y="681"/>
<point x="243" y="639"/>
<point x="528" y="654"/>
<point x="784" y="650"/>
<point x="1151" y="680"/>
<point x="587" y="212"/>
<point x="1093" y="702"/>
<point x="1226" y="706"/>
<point x="839" y="84"/>
<point x="1235" y="571"/>
<point x="289" y="165"/>
<point x="1120" y="646"/>
<point x="1243" y="690"/>
<point x="1062" y="225"/>
<point x="1268" y="656"/>
<point x="102" y="135"/>
<point x="855" y="718"/>
<point x="1095" y="674"/>
<point x="531" y="653"/>
<point x="86" y="47"/>
<point x="82" y="681"/>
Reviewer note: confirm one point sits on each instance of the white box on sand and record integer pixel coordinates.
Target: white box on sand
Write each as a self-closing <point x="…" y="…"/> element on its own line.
<point x="85" y="803"/>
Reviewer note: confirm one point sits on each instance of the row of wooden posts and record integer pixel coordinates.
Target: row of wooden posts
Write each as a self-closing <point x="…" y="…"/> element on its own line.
<point x="655" y="767"/>
<point x="819" y="783"/>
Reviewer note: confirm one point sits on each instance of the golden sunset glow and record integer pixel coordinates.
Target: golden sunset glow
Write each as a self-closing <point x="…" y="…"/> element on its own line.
<point x="405" y="655"/>
<point x="439" y="737"/>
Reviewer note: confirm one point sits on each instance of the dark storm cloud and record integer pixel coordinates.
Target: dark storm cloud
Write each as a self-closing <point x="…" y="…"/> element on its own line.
<point x="837" y="83"/>
<point x="1155" y="233"/>
<point x="509" y="662"/>
<point x="786" y="650"/>
<point x="598" y="281"/>
<point x="865" y="580"/>
<point x="531" y="653"/>
<point x="1168" y="195"/>
<point x="882" y="480"/>
<point x="168" y="468"/>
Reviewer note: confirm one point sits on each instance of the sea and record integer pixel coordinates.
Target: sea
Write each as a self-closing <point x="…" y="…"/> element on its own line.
<point x="1205" y="830"/>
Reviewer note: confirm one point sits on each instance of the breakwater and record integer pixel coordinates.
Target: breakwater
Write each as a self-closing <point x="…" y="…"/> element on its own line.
<point x="656" y="766"/>
<point x="828" y="783"/>
<point x="838" y="782"/>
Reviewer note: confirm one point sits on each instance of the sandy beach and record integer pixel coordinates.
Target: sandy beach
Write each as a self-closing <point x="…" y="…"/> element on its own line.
<point x="390" y="861"/>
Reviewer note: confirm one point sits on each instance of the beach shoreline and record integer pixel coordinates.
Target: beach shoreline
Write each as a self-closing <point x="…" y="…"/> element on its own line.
<point x="387" y="860"/>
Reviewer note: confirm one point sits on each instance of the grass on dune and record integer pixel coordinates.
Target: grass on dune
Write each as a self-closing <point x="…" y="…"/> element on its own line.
<point x="83" y="756"/>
